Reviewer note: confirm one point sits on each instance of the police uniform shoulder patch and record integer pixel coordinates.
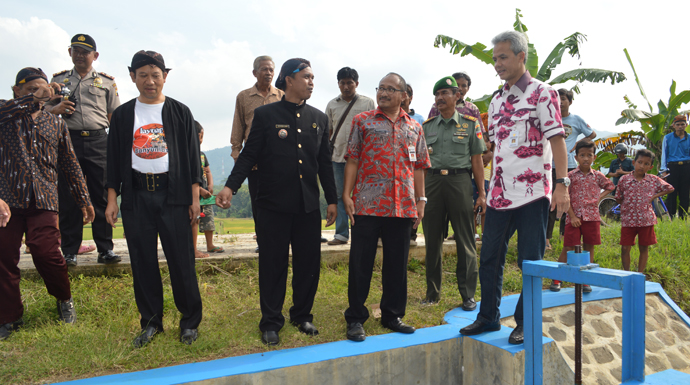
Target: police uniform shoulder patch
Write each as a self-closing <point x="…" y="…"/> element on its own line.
<point x="468" y="117"/>
<point x="105" y="75"/>
<point x="60" y="73"/>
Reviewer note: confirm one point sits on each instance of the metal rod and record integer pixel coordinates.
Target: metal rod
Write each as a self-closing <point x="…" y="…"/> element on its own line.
<point x="578" y="328"/>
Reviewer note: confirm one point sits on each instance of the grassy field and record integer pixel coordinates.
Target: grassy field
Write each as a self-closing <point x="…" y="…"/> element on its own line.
<point x="100" y="343"/>
<point x="223" y="225"/>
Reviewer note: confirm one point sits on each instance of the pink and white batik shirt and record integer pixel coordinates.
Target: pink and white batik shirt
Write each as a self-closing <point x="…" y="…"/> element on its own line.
<point x="522" y="119"/>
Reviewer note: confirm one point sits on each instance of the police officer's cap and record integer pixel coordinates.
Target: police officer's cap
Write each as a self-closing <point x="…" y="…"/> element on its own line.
<point x="445" y="82"/>
<point x="84" y="41"/>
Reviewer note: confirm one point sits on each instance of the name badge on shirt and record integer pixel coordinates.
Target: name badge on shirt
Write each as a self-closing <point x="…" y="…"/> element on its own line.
<point x="513" y="139"/>
<point x="413" y="153"/>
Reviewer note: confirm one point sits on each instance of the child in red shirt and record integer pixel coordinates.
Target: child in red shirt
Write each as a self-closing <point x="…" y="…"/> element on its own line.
<point x="635" y="193"/>
<point x="582" y="221"/>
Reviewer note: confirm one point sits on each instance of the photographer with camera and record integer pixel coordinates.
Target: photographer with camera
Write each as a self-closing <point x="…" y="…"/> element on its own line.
<point x="89" y="99"/>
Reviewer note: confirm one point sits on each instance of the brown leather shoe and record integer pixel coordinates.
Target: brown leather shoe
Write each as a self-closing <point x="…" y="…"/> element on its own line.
<point x="335" y="242"/>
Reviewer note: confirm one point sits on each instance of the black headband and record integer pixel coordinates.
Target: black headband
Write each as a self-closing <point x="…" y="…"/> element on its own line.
<point x="143" y="58"/>
<point x="290" y="67"/>
<point x="28" y="74"/>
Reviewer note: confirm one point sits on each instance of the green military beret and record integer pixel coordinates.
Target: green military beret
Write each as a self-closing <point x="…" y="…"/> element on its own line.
<point x="446" y="82"/>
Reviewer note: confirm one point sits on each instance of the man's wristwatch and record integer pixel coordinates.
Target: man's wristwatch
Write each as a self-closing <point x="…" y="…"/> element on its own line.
<point x="422" y="199"/>
<point x="565" y="181"/>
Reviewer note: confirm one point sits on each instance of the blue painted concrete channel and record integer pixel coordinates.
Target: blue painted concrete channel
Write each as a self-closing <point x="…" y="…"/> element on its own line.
<point x="456" y="319"/>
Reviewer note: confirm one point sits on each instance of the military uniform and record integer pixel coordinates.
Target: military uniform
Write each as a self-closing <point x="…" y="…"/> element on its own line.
<point x="448" y="185"/>
<point x="288" y="143"/>
<point x="96" y="97"/>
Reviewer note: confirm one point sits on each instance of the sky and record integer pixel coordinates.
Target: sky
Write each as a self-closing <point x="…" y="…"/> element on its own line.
<point x="210" y="46"/>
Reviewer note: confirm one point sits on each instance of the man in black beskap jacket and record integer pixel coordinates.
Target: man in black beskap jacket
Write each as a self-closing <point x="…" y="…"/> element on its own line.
<point x="288" y="143"/>
<point x="153" y="161"/>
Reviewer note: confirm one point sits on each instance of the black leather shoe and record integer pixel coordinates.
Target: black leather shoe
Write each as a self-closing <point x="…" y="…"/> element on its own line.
<point x="108" y="257"/>
<point x="71" y="259"/>
<point x="307" y="328"/>
<point x="479" y="327"/>
<point x="7" y="329"/>
<point x="469" y="304"/>
<point x="257" y="249"/>
<point x="397" y="325"/>
<point x="188" y="336"/>
<point x="145" y="336"/>
<point x="66" y="311"/>
<point x="270" y="338"/>
<point x="355" y="332"/>
<point x="517" y="336"/>
<point x="324" y="240"/>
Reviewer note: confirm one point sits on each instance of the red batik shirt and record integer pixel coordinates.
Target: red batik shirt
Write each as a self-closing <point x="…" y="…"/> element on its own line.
<point x="636" y="209"/>
<point x="385" y="178"/>
<point x="584" y="194"/>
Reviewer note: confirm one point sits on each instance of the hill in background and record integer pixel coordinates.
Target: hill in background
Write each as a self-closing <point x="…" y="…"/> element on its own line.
<point x="221" y="163"/>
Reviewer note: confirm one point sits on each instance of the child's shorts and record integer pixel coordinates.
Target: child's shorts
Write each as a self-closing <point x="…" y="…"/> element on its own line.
<point x="646" y="236"/>
<point x="206" y="223"/>
<point x="588" y="231"/>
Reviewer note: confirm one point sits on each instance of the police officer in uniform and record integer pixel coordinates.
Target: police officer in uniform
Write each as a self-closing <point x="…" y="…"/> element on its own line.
<point x="455" y="148"/>
<point x="288" y="142"/>
<point x="89" y="100"/>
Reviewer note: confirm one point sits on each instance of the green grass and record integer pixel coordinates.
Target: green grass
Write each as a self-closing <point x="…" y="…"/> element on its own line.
<point x="229" y="226"/>
<point x="100" y="343"/>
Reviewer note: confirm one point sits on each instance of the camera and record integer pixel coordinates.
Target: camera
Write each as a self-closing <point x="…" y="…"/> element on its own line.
<point x="70" y="97"/>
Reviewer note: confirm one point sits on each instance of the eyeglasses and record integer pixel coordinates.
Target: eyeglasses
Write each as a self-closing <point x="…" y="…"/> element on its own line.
<point x="389" y="90"/>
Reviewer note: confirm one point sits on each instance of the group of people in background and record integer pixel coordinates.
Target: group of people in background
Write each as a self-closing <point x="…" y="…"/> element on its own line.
<point x="384" y="170"/>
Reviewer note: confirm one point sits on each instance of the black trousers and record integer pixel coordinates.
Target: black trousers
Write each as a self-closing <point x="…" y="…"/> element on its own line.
<point x="276" y="231"/>
<point x="679" y="178"/>
<point x="91" y="153"/>
<point x="253" y="184"/>
<point x="149" y="218"/>
<point x="395" y="236"/>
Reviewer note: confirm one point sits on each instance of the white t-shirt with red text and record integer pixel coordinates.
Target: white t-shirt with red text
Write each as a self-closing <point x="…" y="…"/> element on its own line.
<point x="150" y="147"/>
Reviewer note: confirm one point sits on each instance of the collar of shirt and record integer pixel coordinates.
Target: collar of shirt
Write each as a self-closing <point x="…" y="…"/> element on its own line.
<point x="402" y="116"/>
<point x="455" y="118"/>
<point x="678" y="137"/>
<point x="522" y="83"/>
<point x="578" y="171"/>
<point x="340" y="97"/>
<point x="292" y="106"/>
<point x="271" y="90"/>
<point x="89" y="75"/>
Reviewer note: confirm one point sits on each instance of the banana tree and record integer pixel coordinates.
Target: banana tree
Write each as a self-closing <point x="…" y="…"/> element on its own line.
<point x="605" y="146"/>
<point x="570" y="44"/>
<point x="654" y="124"/>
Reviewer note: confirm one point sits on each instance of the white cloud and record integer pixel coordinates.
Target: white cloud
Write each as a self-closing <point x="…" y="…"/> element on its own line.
<point x="34" y="43"/>
<point x="211" y="47"/>
<point x="208" y="82"/>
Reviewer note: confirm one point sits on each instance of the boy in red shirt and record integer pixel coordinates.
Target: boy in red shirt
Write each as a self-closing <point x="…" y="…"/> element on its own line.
<point x="583" y="220"/>
<point x="635" y="193"/>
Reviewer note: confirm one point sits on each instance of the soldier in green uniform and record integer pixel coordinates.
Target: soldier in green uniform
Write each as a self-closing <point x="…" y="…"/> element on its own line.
<point x="455" y="148"/>
<point x="90" y="98"/>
